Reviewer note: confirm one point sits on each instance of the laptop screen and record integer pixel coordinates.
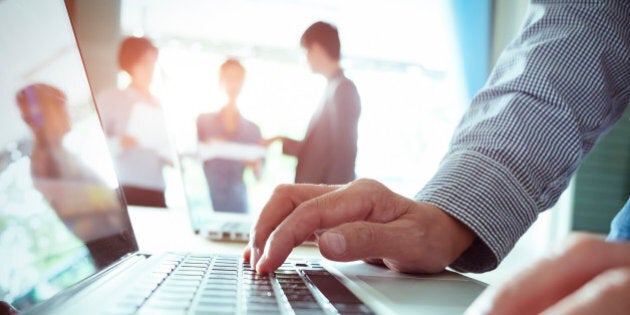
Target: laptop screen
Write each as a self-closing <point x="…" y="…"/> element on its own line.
<point x="62" y="217"/>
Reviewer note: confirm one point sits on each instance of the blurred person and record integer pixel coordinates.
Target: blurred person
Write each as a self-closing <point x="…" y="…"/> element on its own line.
<point x="88" y="208"/>
<point x="328" y="152"/>
<point x="224" y="174"/>
<point x="134" y="123"/>
<point x="561" y="84"/>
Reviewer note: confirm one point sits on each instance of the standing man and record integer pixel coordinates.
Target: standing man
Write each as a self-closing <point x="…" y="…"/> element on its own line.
<point x="328" y="152"/>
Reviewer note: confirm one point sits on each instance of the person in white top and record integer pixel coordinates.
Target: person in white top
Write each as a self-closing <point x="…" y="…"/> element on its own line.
<point x="80" y="198"/>
<point x="134" y="123"/>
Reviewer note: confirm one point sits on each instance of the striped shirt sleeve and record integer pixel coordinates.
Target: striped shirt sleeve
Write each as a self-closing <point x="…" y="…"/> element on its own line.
<point x="556" y="89"/>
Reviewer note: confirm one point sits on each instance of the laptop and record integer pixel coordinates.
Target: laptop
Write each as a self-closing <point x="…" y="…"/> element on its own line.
<point x="222" y="213"/>
<point x="66" y="240"/>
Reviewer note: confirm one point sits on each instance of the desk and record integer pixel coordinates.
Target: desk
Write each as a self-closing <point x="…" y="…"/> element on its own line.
<point x="160" y="230"/>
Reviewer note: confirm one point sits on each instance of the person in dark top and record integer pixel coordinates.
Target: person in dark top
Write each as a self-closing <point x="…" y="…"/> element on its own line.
<point x="328" y="151"/>
<point x="224" y="174"/>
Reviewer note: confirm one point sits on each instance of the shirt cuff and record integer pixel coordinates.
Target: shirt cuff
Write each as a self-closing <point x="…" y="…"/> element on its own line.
<point x="485" y="196"/>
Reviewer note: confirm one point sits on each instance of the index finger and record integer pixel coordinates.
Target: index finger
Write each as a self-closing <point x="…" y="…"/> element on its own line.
<point x="282" y="202"/>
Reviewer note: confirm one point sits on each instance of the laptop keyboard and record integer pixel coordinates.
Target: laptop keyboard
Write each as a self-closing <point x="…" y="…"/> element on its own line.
<point x="216" y="284"/>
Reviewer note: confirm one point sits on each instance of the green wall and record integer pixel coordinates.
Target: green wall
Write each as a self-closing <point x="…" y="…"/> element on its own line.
<point x="603" y="181"/>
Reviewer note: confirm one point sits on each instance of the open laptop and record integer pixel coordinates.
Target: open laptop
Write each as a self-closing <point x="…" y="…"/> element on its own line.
<point x="212" y="215"/>
<point x="66" y="241"/>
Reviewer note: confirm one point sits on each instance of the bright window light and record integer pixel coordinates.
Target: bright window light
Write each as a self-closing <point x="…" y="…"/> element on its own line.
<point x="401" y="54"/>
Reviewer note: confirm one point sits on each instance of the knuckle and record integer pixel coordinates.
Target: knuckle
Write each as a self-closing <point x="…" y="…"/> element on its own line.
<point x="368" y="184"/>
<point x="316" y="203"/>
<point x="379" y="197"/>
<point x="611" y="285"/>
<point x="283" y="190"/>
<point x="617" y="279"/>
<point x="365" y="233"/>
<point x="363" y="181"/>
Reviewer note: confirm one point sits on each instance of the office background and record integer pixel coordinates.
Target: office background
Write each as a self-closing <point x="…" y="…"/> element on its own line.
<point x="470" y="34"/>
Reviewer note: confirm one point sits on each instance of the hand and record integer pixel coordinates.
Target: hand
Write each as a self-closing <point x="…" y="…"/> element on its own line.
<point x="269" y="141"/>
<point x="590" y="276"/>
<point x="127" y="141"/>
<point x="361" y="220"/>
<point x="257" y="167"/>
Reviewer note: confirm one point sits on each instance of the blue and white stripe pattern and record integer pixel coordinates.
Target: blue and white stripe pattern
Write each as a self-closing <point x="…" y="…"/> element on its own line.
<point x="556" y="89"/>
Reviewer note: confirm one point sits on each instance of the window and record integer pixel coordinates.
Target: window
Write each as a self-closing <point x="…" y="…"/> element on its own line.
<point x="402" y="55"/>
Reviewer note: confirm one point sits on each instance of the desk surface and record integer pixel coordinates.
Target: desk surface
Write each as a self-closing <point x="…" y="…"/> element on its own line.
<point x="160" y="230"/>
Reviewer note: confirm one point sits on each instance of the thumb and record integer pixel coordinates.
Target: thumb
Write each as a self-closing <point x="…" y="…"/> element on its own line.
<point x="357" y="240"/>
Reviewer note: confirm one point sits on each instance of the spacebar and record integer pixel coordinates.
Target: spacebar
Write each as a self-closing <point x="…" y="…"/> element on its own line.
<point x="331" y="287"/>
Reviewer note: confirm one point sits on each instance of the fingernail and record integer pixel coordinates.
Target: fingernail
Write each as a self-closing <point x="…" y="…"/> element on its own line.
<point x="335" y="242"/>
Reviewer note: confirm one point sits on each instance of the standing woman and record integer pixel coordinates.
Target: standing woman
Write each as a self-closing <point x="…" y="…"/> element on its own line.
<point x="135" y="126"/>
<point x="224" y="175"/>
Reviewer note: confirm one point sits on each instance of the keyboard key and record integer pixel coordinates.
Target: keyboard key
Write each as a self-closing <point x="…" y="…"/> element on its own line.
<point x="216" y="286"/>
<point x="213" y="312"/>
<point x="299" y="311"/>
<point x="227" y="284"/>
<point x="170" y="296"/>
<point x="185" y="277"/>
<point x="209" y="301"/>
<point x="168" y="305"/>
<point x="352" y="308"/>
<point x="188" y="273"/>
<point x="219" y="293"/>
<point x="301" y="297"/>
<point x="304" y="305"/>
<point x="181" y="283"/>
<point x="262" y="308"/>
<point x="259" y="293"/>
<point x="252" y="299"/>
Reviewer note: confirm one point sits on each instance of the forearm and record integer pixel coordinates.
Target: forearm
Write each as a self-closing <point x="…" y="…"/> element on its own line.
<point x="484" y="196"/>
<point x="552" y="95"/>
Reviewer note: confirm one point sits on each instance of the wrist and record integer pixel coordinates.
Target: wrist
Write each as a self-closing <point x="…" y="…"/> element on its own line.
<point x="456" y="237"/>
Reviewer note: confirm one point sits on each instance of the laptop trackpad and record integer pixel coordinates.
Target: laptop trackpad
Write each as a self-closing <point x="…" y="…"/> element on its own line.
<point x="430" y="295"/>
<point x="393" y="292"/>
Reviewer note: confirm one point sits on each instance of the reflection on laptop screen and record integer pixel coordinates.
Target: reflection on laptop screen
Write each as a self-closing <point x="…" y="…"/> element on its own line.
<point x="61" y="215"/>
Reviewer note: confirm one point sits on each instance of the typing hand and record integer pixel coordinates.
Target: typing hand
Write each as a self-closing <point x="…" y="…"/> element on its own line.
<point x="590" y="276"/>
<point x="361" y="220"/>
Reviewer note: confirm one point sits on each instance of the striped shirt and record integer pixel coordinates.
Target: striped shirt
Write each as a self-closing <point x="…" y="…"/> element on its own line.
<point x="556" y="89"/>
